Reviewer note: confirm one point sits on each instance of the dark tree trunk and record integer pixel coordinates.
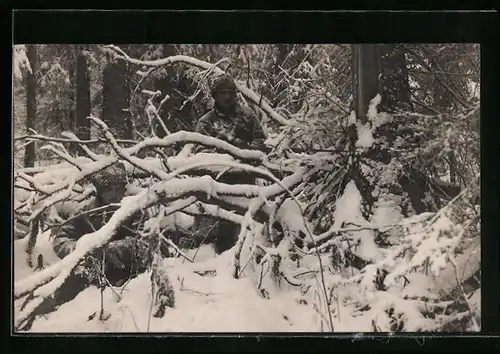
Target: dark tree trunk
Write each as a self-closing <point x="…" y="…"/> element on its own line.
<point x="72" y="98"/>
<point x="31" y="88"/>
<point x="366" y="68"/>
<point x="365" y="74"/>
<point x="115" y="100"/>
<point x="354" y="77"/>
<point x="394" y="79"/>
<point x="83" y="107"/>
<point x="71" y="104"/>
<point x="366" y="64"/>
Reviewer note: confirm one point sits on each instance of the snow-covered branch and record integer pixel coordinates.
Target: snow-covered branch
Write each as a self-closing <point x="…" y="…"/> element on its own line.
<point x="246" y="92"/>
<point x="335" y="230"/>
<point x="127" y="157"/>
<point x="69" y="140"/>
<point x="162" y="191"/>
<point x="127" y="153"/>
<point x="62" y="155"/>
<point x="184" y="137"/>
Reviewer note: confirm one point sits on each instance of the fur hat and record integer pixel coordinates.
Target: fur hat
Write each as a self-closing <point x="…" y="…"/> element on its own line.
<point x="220" y="82"/>
<point x="114" y="174"/>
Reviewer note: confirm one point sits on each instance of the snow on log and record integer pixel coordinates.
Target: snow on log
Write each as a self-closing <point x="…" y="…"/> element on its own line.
<point x="178" y="187"/>
<point x="291" y="218"/>
<point x="185" y="137"/>
<point x="200" y="208"/>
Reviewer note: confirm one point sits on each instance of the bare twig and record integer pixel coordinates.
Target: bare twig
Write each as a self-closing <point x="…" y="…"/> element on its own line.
<point x="174" y="246"/>
<point x="152" y="112"/>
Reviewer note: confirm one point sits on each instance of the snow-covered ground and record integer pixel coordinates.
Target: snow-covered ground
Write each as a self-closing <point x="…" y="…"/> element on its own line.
<point x="203" y="303"/>
<point x="220" y="303"/>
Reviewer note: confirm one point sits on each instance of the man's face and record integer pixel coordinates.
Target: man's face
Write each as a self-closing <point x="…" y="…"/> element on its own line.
<point x="225" y="98"/>
<point x="113" y="193"/>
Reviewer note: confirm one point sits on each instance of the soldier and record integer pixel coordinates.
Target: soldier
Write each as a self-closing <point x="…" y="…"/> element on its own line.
<point x="124" y="257"/>
<point x="237" y="125"/>
<point x="230" y="121"/>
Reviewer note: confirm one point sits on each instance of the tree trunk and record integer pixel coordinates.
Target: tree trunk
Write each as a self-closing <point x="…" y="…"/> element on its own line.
<point x="31" y="88"/>
<point x="71" y="124"/>
<point x="365" y="74"/>
<point x="82" y="95"/>
<point x="366" y="63"/>
<point x="394" y="79"/>
<point x="115" y="100"/>
<point x="70" y="108"/>
<point x="366" y="68"/>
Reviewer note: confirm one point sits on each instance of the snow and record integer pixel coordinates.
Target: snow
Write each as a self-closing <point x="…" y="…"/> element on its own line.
<point x="20" y="61"/>
<point x="217" y="303"/>
<point x="190" y="137"/>
<point x="85" y="244"/>
<point x="43" y="246"/>
<point x="372" y="108"/>
<point x="380" y="119"/>
<point x="289" y="214"/>
<point x="352" y="118"/>
<point x="419" y="285"/>
<point x="177" y="220"/>
<point x="367" y="248"/>
<point x="475" y="301"/>
<point x="203" y="304"/>
<point x="474" y="88"/>
<point x="178" y="187"/>
<point x="365" y="136"/>
<point x="375" y="119"/>
<point x="348" y="210"/>
<point x="220" y="303"/>
<point x="386" y="213"/>
<point x="348" y="206"/>
<point x="430" y="244"/>
<point x="273" y="140"/>
<point x="467" y="264"/>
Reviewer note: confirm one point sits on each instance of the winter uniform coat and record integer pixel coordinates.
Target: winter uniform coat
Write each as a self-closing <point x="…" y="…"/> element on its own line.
<point x="242" y="125"/>
<point x="125" y="255"/>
